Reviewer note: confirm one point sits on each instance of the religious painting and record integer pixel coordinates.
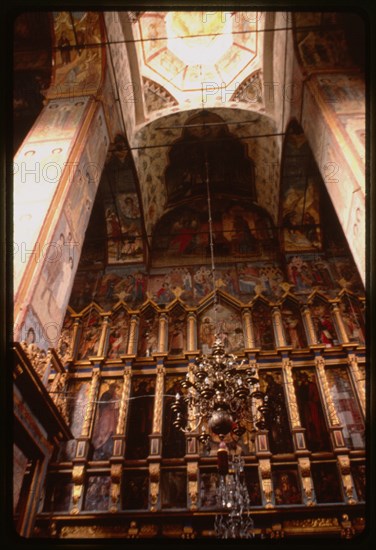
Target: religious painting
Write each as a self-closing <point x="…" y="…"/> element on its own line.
<point x="97" y="495"/>
<point x="135" y="490"/>
<point x="352" y="318"/>
<point x="253" y="485"/>
<point x="238" y="229"/>
<point x="359" y="472"/>
<point x="263" y="325"/>
<point x="123" y="221"/>
<point x="173" y="441"/>
<point x="167" y="284"/>
<point x="77" y="400"/>
<point x="148" y="333"/>
<point x="307" y="272"/>
<point x="310" y="410"/>
<point x="140" y="417"/>
<point x="177" y="332"/>
<point x="326" y="482"/>
<point x="118" y="335"/>
<point x="208" y="489"/>
<point x="85" y="289"/>
<point x="286" y="486"/>
<point x="280" y="438"/>
<point x="58" y="494"/>
<point x="293" y="325"/>
<point x="323" y="323"/>
<point x="173" y="489"/>
<point x="91" y="327"/>
<point x="347" y="407"/>
<point x="345" y="93"/>
<point x="347" y="274"/>
<point x="76" y="64"/>
<point x="120" y="284"/>
<point x="259" y="277"/>
<point x="106" y="417"/>
<point x="225" y="323"/>
<point x="208" y="152"/>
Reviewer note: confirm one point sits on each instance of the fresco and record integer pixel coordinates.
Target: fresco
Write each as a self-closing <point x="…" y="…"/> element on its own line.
<point x="280" y="438"/>
<point x="77" y="66"/>
<point x="173" y="489"/>
<point x="106" y="417"/>
<point x="225" y="323"/>
<point x="323" y="323"/>
<point x="310" y="410"/>
<point x="347" y="407"/>
<point x="293" y="325"/>
<point x="91" y="327"/>
<point x="345" y="93"/>
<point x="97" y="493"/>
<point x="77" y="400"/>
<point x="136" y="490"/>
<point x="326" y="482"/>
<point x="286" y="486"/>
<point x="140" y="417"/>
<point x="213" y="148"/>
<point x="238" y="231"/>
<point x="118" y="335"/>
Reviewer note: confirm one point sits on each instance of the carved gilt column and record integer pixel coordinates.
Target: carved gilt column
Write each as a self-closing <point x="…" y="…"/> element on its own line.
<point x="344" y="467"/>
<point x="191" y="332"/>
<point x="102" y="340"/>
<point x="162" y="333"/>
<point x="132" y="340"/>
<point x="331" y="413"/>
<point x="278" y="329"/>
<point x="306" y="314"/>
<point x="248" y="325"/>
<point x="292" y="407"/>
<point x="357" y="378"/>
<point x="305" y="472"/>
<point x="341" y="329"/>
<point x="117" y="459"/>
<point x="156" y="439"/>
<point x="192" y="473"/>
<point x="266" y="481"/>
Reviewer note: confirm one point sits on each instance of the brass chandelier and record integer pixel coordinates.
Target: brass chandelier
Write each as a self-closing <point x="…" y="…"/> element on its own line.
<point x="220" y="398"/>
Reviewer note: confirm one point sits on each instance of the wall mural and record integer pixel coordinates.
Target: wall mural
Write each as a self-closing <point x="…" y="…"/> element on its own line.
<point x="77" y="66"/>
<point x="225" y="322"/>
<point x="207" y="139"/>
<point x="106" y="417"/>
<point x="353" y="319"/>
<point x="238" y="230"/>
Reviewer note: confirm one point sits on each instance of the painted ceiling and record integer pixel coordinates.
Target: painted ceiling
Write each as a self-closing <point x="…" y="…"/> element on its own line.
<point x="198" y="56"/>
